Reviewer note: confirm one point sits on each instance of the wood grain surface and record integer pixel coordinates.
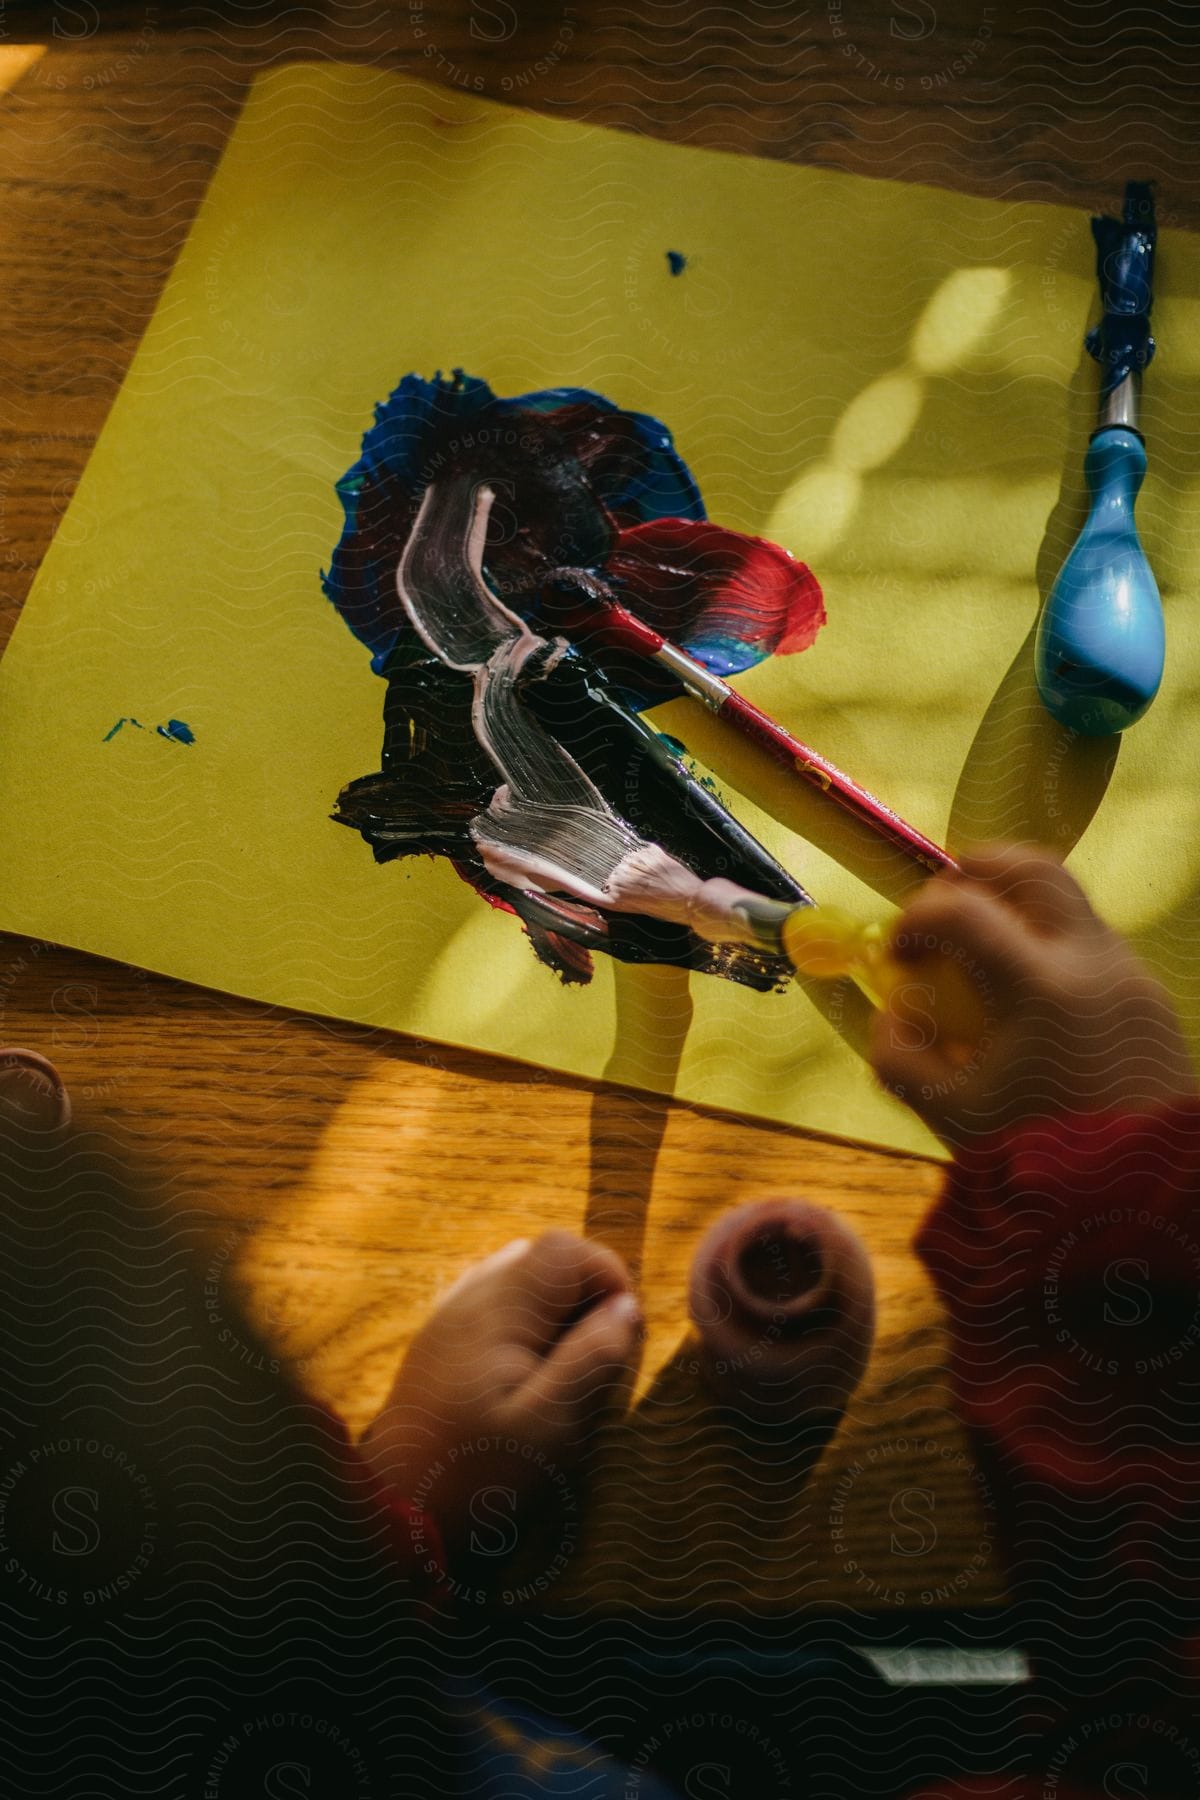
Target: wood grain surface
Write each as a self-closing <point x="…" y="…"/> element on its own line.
<point x="346" y="1174"/>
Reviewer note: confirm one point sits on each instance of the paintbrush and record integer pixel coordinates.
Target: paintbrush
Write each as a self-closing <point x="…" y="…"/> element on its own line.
<point x="1100" y="642"/>
<point x="820" y="942"/>
<point x="615" y="625"/>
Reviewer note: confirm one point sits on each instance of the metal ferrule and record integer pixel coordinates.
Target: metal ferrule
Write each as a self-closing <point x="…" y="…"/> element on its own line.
<point x="693" y="676"/>
<point x="1120" y="407"/>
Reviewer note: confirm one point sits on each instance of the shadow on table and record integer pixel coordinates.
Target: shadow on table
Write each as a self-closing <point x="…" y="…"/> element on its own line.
<point x="654" y="1016"/>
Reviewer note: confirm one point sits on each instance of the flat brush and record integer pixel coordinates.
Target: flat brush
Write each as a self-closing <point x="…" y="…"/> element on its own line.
<point x="820" y="942"/>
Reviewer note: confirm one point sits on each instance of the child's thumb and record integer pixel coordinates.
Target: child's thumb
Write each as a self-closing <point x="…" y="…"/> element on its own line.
<point x="590" y="1365"/>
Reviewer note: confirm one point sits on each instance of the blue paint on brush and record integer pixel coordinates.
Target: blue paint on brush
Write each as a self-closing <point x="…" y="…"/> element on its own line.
<point x="676" y="261"/>
<point x="1122" y="342"/>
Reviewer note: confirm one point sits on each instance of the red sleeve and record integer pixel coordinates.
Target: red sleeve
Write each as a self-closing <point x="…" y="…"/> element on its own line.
<point x="1068" y="1258"/>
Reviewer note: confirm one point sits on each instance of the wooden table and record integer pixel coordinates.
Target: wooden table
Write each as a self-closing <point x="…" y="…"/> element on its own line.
<point x="347" y="1173"/>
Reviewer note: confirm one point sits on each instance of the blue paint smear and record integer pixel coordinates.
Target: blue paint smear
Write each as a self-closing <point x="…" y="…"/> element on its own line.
<point x="177" y="731"/>
<point x="676" y="261"/>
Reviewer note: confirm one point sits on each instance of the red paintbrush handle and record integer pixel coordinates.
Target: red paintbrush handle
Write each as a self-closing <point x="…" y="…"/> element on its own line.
<point x="613" y="624"/>
<point x="789" y="753"/>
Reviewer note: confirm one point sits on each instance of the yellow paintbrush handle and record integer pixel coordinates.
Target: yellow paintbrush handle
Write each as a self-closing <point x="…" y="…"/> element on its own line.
<point x="827" y="944"/>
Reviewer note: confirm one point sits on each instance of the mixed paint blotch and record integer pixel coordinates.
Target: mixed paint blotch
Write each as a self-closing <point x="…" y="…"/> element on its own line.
<point x="485" y="541"/>
<point x="676" y="261"/>
<point x="175" y="729"/>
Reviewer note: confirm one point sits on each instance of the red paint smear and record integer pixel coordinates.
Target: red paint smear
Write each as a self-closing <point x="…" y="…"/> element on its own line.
<point x="704" y="586"/>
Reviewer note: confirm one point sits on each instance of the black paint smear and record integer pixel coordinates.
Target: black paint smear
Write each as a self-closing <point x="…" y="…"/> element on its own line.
<point x="435" y="778"/>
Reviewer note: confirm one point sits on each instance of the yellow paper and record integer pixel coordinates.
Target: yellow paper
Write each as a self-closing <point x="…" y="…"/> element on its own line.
<point x="888" y="379"/>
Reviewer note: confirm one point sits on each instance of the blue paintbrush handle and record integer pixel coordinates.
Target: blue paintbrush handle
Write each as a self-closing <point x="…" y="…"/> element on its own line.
<point x="1100" y="643"/>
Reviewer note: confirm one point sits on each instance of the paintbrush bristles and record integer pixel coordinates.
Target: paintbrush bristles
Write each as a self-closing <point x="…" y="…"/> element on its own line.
<point x="650" y="881"/>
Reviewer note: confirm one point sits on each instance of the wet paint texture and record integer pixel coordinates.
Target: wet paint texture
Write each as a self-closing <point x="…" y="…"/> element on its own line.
<point x="482" y="539"/>
<point x="177" y="731"/>
<point x="1121" y="343"/>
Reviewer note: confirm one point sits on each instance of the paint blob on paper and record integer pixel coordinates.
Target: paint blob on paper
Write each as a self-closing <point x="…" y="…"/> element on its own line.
<point x="482" y="540"/>
<point x="175" y="730"/>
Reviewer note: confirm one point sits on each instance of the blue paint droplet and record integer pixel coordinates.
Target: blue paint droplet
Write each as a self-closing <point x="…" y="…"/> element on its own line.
<point x="178" y="731"/>
<point x="118" y="725"/>
<point x="676" y="261"/>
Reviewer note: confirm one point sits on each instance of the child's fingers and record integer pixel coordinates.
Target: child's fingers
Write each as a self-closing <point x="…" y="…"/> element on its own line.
<point x="558" y="1277"/>
<point x="481" y="1275"/>
<point x="588" y="1366"/>
<point x="970" y="924"/>
<point x="1033" y="883"/>
<point x="912" y="1069"/>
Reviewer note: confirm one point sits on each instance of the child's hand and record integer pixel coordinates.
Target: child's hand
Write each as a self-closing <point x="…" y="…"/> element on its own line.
<point x="1072" y="1019"/>
<point x="503" y="1385"/>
